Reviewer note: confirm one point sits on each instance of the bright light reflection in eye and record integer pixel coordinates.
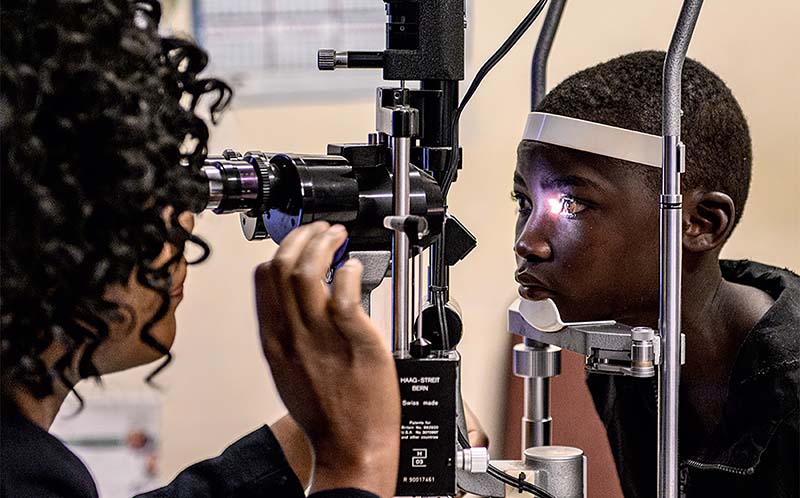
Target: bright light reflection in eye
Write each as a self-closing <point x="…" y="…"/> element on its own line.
<point x="555" y="205"/>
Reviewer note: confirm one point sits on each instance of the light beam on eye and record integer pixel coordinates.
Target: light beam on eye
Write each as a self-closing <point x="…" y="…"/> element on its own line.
<point x="555" y="205"/>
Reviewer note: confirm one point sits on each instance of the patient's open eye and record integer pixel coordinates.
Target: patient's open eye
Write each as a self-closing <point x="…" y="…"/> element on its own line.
<point x="566" y="206"/>
<point x="523" y="203"/>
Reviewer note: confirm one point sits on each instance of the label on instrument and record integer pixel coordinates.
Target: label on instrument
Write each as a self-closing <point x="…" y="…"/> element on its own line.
<point x="428" y="426"/>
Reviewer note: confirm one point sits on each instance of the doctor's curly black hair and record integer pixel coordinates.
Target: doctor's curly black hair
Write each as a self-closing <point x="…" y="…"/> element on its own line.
<point x="99" y="135"/>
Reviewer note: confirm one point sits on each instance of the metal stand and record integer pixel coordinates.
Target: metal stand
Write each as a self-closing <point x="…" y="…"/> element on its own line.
<point x="669" y="322"/>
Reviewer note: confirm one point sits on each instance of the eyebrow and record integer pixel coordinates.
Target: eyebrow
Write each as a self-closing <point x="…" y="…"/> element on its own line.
<point x="555" y="182"/>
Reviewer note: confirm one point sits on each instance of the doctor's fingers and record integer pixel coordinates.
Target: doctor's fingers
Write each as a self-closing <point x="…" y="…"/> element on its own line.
<point x="275" y="300"/>
<point x="306" y="278"/>
<point x="349" y="318"/>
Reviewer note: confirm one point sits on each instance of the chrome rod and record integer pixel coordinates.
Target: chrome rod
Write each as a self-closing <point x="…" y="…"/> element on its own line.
<point x="536" y="422"/>
<point x="401" y="156"/>
<point x="670" y="252"/>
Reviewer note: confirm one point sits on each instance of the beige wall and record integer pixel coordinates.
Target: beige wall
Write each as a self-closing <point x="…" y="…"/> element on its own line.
<point x="218" y="388"/>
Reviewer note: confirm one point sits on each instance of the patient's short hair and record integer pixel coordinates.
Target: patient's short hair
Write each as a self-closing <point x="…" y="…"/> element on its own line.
<point x="626" y="92"/>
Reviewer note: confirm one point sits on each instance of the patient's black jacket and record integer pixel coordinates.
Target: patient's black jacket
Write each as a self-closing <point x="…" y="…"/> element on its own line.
<point x="755" y="449"/>
<point x="36" y="464"/>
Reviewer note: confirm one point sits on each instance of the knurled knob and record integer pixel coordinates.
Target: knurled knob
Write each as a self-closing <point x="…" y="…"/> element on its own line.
<point x="326" y="59"/>
<point x="474" y="460"/>
<point x="642" y="334"/>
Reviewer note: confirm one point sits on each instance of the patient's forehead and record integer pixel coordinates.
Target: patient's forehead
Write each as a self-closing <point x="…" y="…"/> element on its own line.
<point x="533" y="156"/>
<point x="530" y="152"/>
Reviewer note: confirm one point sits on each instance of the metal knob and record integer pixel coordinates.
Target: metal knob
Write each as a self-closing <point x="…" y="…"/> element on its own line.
<point x="326" y="59"/>
<point x="329" y="59"/>
<point x="642" y="352"/>
<point x="642" y="334"/>
<point x="474" y="460"/>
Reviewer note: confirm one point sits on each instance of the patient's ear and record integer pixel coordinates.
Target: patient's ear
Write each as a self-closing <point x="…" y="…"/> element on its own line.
<point x="708" y="219"/>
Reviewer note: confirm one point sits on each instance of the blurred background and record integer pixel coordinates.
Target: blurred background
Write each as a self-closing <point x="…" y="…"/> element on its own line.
<point x="219" y="388"/>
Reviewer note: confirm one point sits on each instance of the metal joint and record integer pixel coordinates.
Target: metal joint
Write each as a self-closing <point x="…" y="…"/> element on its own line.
<point x="398" y="121"/>
<point x="537" y="362"/>
<point x="672" y="201"/>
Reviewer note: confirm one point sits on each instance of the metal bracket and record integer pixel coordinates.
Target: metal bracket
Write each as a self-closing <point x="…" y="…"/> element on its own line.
<point x="394" y="117"/>
<point x="610" y="348"/>
<point x="376" y="265"/>
<point x="681" y="153"/>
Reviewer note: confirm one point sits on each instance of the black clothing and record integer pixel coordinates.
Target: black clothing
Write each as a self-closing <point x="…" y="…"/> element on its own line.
<point x="36" y="464"/>
<point x="755" y="449"/>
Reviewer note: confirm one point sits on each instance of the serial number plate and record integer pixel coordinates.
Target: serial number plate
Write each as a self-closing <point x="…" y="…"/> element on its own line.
<point x="414" y="479"/>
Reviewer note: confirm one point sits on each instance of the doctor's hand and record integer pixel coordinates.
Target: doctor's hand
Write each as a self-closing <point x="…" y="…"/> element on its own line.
<point x="329" y="361"/>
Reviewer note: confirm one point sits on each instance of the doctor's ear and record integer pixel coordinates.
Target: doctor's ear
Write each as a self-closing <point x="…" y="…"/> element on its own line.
<point x="708" y="219"/>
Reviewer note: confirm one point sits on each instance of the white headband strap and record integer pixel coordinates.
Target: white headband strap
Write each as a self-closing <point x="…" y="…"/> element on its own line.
<point x="596" y="138"/>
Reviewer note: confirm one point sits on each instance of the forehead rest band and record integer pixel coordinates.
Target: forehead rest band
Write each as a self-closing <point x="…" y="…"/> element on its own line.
<point x="596" y="138"/>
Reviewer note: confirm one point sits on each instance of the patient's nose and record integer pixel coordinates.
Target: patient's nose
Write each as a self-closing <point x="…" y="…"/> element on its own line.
<point x="532" y="243"/>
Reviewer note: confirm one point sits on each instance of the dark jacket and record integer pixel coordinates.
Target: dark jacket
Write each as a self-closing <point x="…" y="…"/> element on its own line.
<point x="36" y="464"/>
<point x="755" y="449"/>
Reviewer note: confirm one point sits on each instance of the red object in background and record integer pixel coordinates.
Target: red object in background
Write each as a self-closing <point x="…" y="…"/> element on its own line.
<point x="575" y="423"/>
<point x="136" y="439"/>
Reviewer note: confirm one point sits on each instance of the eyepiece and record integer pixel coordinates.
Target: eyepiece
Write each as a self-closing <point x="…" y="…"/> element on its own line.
<point x="238" y="184"/>
<point x="215" y="186"/>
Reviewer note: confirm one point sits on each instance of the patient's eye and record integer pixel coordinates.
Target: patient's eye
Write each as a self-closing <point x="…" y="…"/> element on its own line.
<point x="566" y="206"/>
<point x="523" y="203"/>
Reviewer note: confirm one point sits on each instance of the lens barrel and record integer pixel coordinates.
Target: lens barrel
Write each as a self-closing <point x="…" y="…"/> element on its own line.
<point x="285" y="191"/>
<point x="238" y="184"/>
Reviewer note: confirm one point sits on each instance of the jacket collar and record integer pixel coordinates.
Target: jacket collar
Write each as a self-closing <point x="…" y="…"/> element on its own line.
<point x="764" y="385"/>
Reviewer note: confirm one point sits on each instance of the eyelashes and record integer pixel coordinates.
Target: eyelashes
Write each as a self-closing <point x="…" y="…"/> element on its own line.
<point x="563" y="205"/>
<point x="521" y="200"/>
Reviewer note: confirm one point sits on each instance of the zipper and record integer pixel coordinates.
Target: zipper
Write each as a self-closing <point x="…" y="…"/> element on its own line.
<point x="716" y="466"/>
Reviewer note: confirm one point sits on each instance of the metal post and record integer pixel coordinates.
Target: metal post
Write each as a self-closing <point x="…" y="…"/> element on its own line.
<point x="536" y="363"/>
<point x="670" y="252"/>
<point x="401" y="155"/>
<point x="542" y="51"/>
<point x="536" y="422"/>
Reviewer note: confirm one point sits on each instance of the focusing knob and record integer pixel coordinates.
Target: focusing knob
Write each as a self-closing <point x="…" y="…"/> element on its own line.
<point x="263" y="170"/>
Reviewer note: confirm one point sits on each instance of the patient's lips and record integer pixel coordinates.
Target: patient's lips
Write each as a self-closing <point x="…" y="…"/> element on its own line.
<point x="532" y="288"/>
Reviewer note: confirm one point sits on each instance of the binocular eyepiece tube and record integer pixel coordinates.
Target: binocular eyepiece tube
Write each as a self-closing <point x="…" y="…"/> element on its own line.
<point x="284" y="191"/>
